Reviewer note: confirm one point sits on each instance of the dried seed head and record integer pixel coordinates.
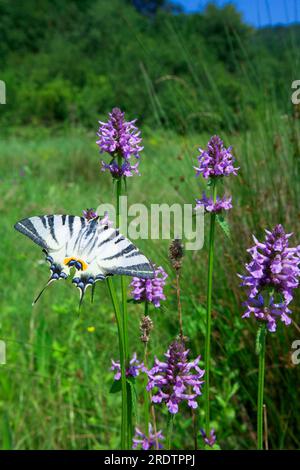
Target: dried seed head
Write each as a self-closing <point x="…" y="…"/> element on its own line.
<point x="183" y="339"/>
<point x="146" y="325"/>
<point x="176" y="253"/>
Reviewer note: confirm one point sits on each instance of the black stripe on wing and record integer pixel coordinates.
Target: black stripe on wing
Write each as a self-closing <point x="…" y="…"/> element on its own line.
<point x="143" y="271"/>
<point x="71" y="223"/>
<point x="26" y="227"/>
<point x="108" y="239"/>
<point x="50" y="219"/>
<point x="44" y="220"/>
<point x="122" y="257"/>
<point x="45" y="230"/>
<point x="124" y="252"/>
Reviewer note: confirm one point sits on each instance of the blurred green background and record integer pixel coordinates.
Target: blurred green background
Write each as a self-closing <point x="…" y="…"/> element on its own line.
<point x="185" y="77"/>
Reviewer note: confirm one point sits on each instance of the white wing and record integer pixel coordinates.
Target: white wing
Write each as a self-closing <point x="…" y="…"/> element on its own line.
<point x="53" y="233"/>
<point x="106" y="252"/>
<point x="94" y="250"/>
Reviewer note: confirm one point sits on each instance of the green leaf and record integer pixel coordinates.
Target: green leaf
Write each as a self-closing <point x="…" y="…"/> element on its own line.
<point x="260" y="338"/>
<point x="116" y="386"/>
<point x="224" y="225"/>
<point x="132" y="395"/>
<point x="6" y="433"/>
<point x="258" y="342"/>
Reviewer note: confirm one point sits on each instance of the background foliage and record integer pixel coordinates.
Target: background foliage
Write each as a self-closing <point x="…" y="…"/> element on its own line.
<point x="69" y="62"/>
<point x="186" y="77"/>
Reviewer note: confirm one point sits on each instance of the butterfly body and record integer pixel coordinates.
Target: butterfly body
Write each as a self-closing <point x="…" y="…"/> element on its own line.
<point x="92" y="248"/>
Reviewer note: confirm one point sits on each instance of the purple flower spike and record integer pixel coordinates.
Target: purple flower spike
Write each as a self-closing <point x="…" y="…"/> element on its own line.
<point x="150" y="290"/>
<point x="272" y="272"/>
<point x="221" y="204"/>
<point x="215" y="160"/>
<point x="121" y="139"/>
<point x="269" y="313"/>
<point x="126" y="169"/>
<point x="90" y="214"/>
<point x="209" y="440"/>
<point x="144" y="442"/>
<point x="175" y="380"/>
<point x="133" y="369"/>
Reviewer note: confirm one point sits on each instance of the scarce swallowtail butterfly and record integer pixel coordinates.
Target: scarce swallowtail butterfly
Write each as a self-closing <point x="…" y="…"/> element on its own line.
<point x="95" y="250"/>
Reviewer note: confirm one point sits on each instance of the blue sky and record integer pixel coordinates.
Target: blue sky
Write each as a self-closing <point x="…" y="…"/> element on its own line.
<point x="255" y="12"/>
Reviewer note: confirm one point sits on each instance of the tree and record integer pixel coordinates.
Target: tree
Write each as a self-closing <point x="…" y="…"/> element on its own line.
<point x="151" y="7"/>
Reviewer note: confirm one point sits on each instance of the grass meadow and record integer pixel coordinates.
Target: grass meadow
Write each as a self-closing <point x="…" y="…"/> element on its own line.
<point x="55" y="387"/>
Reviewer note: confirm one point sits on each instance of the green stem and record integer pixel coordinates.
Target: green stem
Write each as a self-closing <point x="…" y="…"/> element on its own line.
<point x="125" y="317"/>
<point x="195" y="428"/>
<point x="118" y="314"/>
<point x="170" y="431"/>
<point x="123" y="282"/>
<point x="146" y="394"/>
<point x="261" y="380"/>
<point x="129" y="416"/>
<point x="208" y="314"/>
<point x="146" y="308"/>
<point x="179" y="309"/>
<point x="148" y="404"/>
<point x="125" y="321"/>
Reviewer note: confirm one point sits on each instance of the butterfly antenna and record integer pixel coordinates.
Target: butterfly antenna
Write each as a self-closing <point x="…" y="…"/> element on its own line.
<point x="44" y="288"/>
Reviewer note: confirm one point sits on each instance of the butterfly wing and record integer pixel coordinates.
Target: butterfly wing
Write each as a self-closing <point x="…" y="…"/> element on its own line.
<point x="117" y="255"/>
<point x="53" y="233"/>
<point x="107" y="253"/>
<point x="94" y="249"/>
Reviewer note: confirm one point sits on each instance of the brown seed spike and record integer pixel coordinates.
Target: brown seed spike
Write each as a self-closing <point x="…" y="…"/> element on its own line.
<point x="176" y="253"/>
<point x="146" y="325"/>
